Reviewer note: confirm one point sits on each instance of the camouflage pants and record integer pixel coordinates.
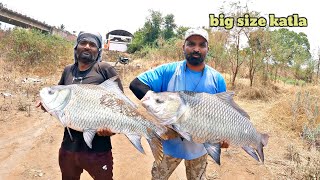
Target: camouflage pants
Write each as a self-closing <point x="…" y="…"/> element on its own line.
<point x="195" y="169"/>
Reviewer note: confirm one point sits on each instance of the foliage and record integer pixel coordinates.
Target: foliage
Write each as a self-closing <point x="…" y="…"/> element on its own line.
<point x="137" y="42"/>
<point x="156" y="27"/>
<point x="152" y="27"/>
<point x="236" y="55"/>
<point x="29" y="48"/>
<point x="217" y="49"/>
<point x="290" y="49"/>
<point x="169" y="27"/>
<point x="257" y="52"/>
<point x="306" y="105"/>
<point x="281" y="52"/>
<point x="167" y="50"/>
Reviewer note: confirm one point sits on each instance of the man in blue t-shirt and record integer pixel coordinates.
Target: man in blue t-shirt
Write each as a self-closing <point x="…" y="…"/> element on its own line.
<point x="191" y="74"/>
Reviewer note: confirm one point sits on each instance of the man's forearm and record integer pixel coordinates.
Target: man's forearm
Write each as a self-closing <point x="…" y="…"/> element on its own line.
<point x="138" y="88"/>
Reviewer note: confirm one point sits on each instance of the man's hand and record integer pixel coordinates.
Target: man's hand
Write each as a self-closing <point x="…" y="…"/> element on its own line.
<point x="38" y="104"/>
<point x="224" y="144"/>
<point x="104" y="132"/>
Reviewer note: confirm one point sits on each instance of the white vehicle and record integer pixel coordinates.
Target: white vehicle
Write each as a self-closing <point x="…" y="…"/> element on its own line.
<point x="118" y="41"/>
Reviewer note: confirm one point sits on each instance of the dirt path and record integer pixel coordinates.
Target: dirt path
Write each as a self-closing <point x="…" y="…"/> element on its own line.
<point x="29" y="150"/>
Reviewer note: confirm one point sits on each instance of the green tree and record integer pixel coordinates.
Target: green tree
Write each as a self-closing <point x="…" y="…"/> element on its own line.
<point x="152" y="27"/>
<point x="181" y="30"/>
<point x="289" y="50"/>
<point x="137" y="42"/>
<point x="217" y="49"/>
<point x="155" y="30"/>
<point x="169" y="27"/>
<point x="259" y="45"/>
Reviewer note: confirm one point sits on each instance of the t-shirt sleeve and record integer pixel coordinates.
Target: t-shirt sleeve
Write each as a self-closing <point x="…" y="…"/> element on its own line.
<point x="63" y="75"/>
<point x="222" y="87"/>
<point x="153" y="78"/>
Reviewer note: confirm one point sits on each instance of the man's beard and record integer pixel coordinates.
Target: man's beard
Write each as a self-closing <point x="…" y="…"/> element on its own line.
<point x="86" y="57"/>
<point x="193" y="60"/>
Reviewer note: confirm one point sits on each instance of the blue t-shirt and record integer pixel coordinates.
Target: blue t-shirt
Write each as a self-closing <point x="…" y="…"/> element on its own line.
<point x="177" y="76"/>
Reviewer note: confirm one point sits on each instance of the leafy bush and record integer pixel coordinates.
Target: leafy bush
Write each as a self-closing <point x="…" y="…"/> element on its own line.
<point x="166" y="50"/>
<point x="31" y="49"/>
<point x="306" y="104"/>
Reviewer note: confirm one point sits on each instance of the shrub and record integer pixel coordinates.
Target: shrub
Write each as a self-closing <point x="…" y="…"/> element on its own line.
<point x="34" y="50"/>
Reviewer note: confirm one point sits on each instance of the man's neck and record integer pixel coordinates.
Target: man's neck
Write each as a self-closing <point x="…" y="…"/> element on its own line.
<point x="198" y="68"/>
<point x="83" y="66"/>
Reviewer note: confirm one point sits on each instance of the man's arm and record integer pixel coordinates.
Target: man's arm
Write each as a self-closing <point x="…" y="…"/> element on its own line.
<point x="138" y="88"/>
<point x="152" y="80"/>
<point x="64" y="74"/>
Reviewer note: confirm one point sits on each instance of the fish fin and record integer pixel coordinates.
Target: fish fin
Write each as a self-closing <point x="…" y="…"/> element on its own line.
<point x="214" y="151"/>
<point x="88" y="135"/>
<point x="156" y="147"/>
<point x="227" y="97"/>
<point x="136" y="141"/>
<point x="111" y="85"/>
<point x="251" y="152"/>
<point x="61" y="116"/>
<point x="264" y="139"/>
<point x="111" y="82"/>
<point x="185" y="135"/>
<point x="70" y="134"/>
<point x="260" y="152"/>
<point x="264" y="142"/>
<point x="161" y="131"/>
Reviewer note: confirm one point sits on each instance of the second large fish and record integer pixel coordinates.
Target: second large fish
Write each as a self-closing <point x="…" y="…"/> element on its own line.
<point x="208" y="119"/>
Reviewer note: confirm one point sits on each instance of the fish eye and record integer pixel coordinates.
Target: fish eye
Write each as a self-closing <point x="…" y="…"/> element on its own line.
<point x="51" y="91"/>
<point x="159" y="101"/>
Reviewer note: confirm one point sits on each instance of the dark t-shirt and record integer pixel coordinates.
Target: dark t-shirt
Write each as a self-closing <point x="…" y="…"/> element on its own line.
<point x="97" y="74"/>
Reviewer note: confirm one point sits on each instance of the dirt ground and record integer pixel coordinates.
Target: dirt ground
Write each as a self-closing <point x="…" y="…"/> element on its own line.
<point x="30" y="139"/>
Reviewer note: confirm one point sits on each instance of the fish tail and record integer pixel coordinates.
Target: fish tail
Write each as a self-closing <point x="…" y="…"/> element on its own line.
<point x="135" y="139"/>
<point x="264" y="142"/>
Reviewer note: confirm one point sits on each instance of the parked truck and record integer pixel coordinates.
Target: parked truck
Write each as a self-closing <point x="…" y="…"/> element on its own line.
<point x="118" y="40"/>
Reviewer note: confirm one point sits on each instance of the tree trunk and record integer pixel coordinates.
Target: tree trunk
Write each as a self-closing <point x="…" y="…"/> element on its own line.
<point x="237" y="63"/>
<point x="318" y="69"/>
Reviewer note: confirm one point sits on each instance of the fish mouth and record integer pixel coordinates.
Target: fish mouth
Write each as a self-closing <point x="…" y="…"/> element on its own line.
<point x="151" y="110"/>
<point x="53" y="108"/>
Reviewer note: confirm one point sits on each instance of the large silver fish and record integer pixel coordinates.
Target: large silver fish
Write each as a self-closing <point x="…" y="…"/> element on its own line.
<point x="208" y="119"/>
<point x="87" y="107"/>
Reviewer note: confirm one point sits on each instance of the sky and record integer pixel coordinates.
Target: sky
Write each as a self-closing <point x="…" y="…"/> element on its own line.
<point x="104" y="16"/>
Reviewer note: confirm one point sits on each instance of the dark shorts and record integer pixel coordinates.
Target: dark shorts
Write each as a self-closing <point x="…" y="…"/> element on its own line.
<point x="99" y="165"/>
